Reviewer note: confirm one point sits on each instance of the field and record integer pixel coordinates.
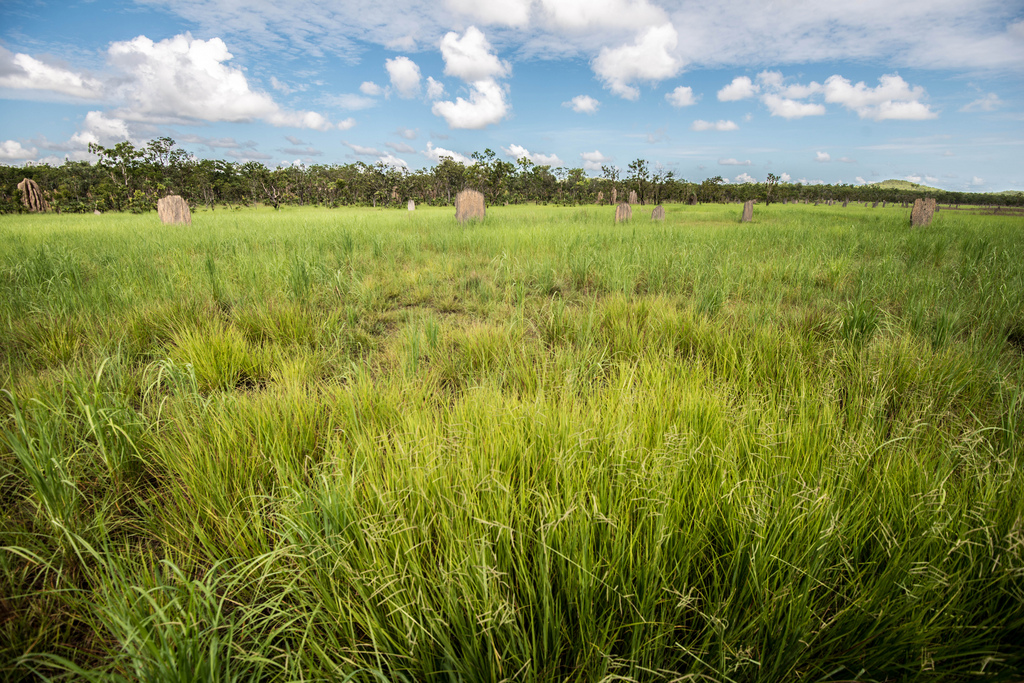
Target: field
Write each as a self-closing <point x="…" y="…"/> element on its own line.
<point x="376" y="445"/>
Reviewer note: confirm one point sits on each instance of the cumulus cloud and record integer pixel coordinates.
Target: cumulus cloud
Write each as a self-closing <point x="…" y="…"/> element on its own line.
<point x="650" y="58"/>
<point x="744" y="178"/>
<point x="785" y="177"/>
<point x="518" y="152"/>
<point x="860" y="181"/>
<point x="741" y="88"/>
<point x="184" y="78"/>
<point x="405" y="76"/>
<point x="23" y="72"/>
<point x="435" y="89"/>
<point x="976" y="181"/>
<point x="893" y="98"/>
<point x="11" y="150"/>
<point x="700" y="124"/>
<point x="407" y="133"/>
<point x="681" y="97"/>
<point x="734" y="162"/>
<point x="346" y="124"/>
<point x="393" y="161"/>
<point x="791" y="109"/>
<point x="400" y="147"/>
<point x="592" y="161"/>
<point x="822" y="157"/>
<point x="847" y="160"/>
<point x="583" y="104"/>
<point x="989" y="102"/>
<point x="98" y="128"/>
<point x="436" y="154"/>
<point x="486" y="105"/>
<point x="470" y="58"/>
<point x="506" y="12"/>
<point x="370" y="88"/>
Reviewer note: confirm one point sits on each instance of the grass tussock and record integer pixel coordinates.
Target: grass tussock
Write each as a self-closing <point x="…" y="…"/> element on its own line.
<point x="284" y="446"/>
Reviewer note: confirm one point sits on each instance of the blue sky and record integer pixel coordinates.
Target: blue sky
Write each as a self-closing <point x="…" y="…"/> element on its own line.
<point x="929" y="91"/>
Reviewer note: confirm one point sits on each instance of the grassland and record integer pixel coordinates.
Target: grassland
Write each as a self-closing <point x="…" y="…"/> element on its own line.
<point x="367" y="445"/>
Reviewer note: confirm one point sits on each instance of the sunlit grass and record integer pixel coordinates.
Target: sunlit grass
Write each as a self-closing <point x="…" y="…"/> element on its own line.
<point x="311" y="445"/>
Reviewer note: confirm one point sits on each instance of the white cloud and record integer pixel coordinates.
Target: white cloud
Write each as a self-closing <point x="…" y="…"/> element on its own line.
<point x="435" y="154"/>
<point x="893" y="98"/>
<point x="11" y="150"/>
<point x="976" y="181"/>
<point x="681" y="97"/>
<point x="405" y="76"/>
<point x="913" y="178"/>
<point x="435" y="89"/>
<point x="470" y="57"/>
<point x="506" y="12"/>
<point x="585" y="16"/>
<point x="346" y="124"/>
<point x="798" y="91"/>
<point x="734" y="162"/>
<point x="486" y="106"/>
<point x="651" y="58"/>
<point x="592" y="161"/>
<point x="989" y="102"/>
<point x="847" y="160"/>
<point x="362" y="151"/>
<point x="931" y="179"/>
<point x="299" y="119"/>
<point x="307" y="151"/>
<point x="281" y="86"/>
<point x="518" y="152"/>
<point x="741" y="88"/>
<point x="745" y="178"/>
<point x="98" y="128"/>
<point x="583" y="104"/>
<point x="370" y="88"/>
<point x="785" y="177"/>
<point x="183" y="78"/>
<point x="713" y="125"/>
<point x="946" y="33"/>
<point x="805" y="181"/>
<point x="861" y="181"/>
<point x="392" y="160"/>
<point x="791" y="109"/>
<point x="822" y="156"/>
<point x="407" y="133"/>
<point x="400" y="147"/>
<point x="23" y="72"/>
<point x="350" y="101"/>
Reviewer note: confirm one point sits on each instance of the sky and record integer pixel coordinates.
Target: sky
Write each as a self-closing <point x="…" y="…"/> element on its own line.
<point x="930" y="91"/>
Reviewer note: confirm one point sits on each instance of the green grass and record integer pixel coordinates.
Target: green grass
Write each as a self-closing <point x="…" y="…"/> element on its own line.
<point x="372" y="445"/>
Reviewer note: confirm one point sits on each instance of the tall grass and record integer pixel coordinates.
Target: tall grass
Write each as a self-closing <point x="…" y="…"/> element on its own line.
<point x="371" y="445"/>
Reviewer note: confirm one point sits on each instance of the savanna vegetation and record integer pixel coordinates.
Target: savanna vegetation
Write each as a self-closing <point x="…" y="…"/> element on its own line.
<point x="132" y="179"/>
<point x="367" y="445"/>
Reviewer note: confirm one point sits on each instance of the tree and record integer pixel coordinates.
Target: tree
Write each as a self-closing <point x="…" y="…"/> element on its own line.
<point x="770" y="183"/>
<point x="639" y="178"/>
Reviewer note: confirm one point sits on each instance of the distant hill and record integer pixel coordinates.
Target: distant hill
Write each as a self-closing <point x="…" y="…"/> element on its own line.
<point x="893" y="184"/>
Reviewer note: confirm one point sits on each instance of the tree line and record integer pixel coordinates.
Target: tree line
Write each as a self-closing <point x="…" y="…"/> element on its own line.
<point x="132" y="178"/>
